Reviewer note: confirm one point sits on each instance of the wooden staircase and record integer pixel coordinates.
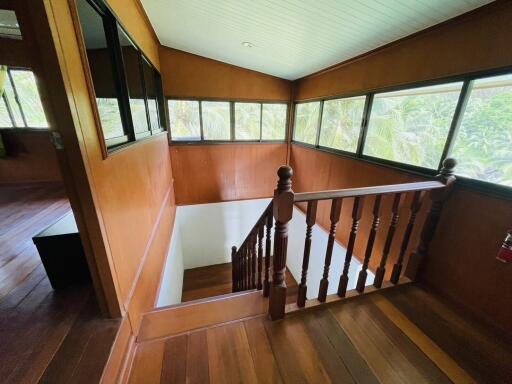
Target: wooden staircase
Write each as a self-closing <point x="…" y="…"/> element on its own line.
<point x="259" y="297"/>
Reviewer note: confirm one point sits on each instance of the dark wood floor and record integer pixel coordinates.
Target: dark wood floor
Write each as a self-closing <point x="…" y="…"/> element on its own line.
<point x="214" y="280"/>
<point x="401" y="335"/>
<point x="47" y="336"/>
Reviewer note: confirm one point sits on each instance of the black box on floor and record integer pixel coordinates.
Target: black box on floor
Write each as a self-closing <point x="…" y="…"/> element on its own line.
<point x="62" y="254"/>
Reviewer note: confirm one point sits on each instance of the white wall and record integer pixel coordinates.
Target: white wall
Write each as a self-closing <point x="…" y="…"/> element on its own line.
<point x="204" y="234"/>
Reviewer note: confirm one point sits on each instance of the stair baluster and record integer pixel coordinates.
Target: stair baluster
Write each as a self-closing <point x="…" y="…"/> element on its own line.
<point x="310" y="222"/>
<point x="335" y="216"/>
<point x="361" y="280"/>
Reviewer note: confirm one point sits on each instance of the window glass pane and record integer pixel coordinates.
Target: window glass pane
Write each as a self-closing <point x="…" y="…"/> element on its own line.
<point x="482" y="146"/>
<point x="101" y="68"/>
<point x="28" y="95"/>
<point x="247" y="121"/>
<point x="273" y="122"/>
<point x="149" y="81"/>
<point x="5" y="120"/>
<point x="11" y="99"/>
<point x="131" y="62"/>
<point x="184" y="119"/>
<point x="108" y="109"/>
<point x="411" y="126"/>
<point x="9" y="27"/>
<point x="306" y="122"/>
<point x="216" y="120"/>
<point x="341" y="123"/>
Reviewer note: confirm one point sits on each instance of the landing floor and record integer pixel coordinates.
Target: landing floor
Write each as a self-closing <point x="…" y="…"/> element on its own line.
<point x="401" y="335"/>
<point x="214" y="280"/>
<point x="45" y="335"/>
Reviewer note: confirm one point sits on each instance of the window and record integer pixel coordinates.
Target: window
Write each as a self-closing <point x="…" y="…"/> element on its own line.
<point x="20" y="103"/>
<point x="482" y="145"/>
<point x="192" y="120"/>
<point x="216" y="117"/>
<point x="341" y="123"/>
<point x="184" y="119"/>
<point x="412" y="126"/>
<point x="9" y="26"/>
<point x="247" y="121"/>
<point x="306" y="122"/>
<point x="127" y="87"/>
<point x="273" y="124"/>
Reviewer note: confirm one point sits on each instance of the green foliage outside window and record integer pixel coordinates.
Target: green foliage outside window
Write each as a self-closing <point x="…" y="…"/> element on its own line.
<point x="184" y="119"/>
<point x="306" y="122"/>
<point x="341" y="123"/>
<point x="412" y="126"/>
<point x="216" y="120"/>
<point x="247" y="121"/>
<point x="273" y="122"/>
<point x="483" y="144"/>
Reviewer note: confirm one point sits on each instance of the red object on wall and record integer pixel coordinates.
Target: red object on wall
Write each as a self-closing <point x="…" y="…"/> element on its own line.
<point x="505" y="253"/>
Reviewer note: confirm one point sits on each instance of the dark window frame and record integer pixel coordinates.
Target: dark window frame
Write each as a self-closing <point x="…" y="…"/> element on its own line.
<point x="3" y="99"/>
<point x="499" y="190"/>
<point x="232" y="138"/>
<point x="111" y="25"/>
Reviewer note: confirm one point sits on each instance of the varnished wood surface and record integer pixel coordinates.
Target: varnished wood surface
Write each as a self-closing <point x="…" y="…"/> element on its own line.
<point x="214" y="173"/>
<point x="401" y="335"/>
<point x="47" y="335"/>
<point x="214" y="280"/>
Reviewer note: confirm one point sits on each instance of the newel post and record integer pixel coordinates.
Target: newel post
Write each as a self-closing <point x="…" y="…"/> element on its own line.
<point x="282" y="210"/>
<point x="438" y="197"/>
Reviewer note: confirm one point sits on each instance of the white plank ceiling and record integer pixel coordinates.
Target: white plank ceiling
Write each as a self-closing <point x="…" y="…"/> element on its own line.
<point x="293" y="38"/>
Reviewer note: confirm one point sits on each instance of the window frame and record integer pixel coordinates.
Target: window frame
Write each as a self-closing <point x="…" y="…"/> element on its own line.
<point x="232" y="103"/>
<point x="14" y="127"/>
<point x="111" y="23"/>
<point x="467" y="79"/>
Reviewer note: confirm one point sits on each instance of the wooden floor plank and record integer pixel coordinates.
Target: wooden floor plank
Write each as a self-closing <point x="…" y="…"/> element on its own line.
<point x="147" y="364"/>
<point x="174" y="366"/>
<point x="294" y="352"/>
<point x="198" y="370"/>
<point x="229" y="356"/>
<point x="264" y="362"/>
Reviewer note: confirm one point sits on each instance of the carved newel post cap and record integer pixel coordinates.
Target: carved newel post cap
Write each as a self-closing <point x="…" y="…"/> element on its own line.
<point x="285" y="172"/>
<point x="233" y="248"/>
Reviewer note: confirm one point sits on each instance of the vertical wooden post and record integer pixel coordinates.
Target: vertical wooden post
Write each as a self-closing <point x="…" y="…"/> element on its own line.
<point x="310" y="221"/>
<point x="335" y="216"/>
<point x="260" y="254"/>
<point x="381" y="270"/>
<point x="249" y="261"/>
<point x="234" y="272"/>
<point x="268" y="250"/>
<point x="244" y="267"/>
<point x="438" y="197"/>
<point x="415" y="207"/>
<point x="283" y="211"/>
<point x="357" y="210"/>
<point x="361" y="280"/>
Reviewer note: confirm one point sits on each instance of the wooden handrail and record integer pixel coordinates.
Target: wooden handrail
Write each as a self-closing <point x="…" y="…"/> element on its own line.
<point x="260" y="219"/>
<point x="367" y="191"/>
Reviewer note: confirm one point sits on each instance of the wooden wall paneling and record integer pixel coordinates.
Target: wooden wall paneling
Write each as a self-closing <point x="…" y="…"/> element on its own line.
<point x="58" y="73"/>
<point x="119" y="352"/>
<point x="472" y="42"/>
<point x="31" y="157"/>
<point x="188" y="75"/>
<point x="213" y="173"/>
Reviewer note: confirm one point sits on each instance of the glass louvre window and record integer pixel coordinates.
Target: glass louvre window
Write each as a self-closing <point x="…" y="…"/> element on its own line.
<point x="216" y="117"/>
<point x="247" y="121"/>
<point x="483" y="143"/>
<point x="13" y="103"/>
<point x="341" y="123"/>
<point x="184" y="119"/>
<point x="411" y="126"/>
<point x="306" y="122"/>
<point x="132" y="69"/>
<point x="5" y="119"/>
<point x="101" y="68"/>
<point x="29" y="99"/>
<point x="273" y="122"/>
<point x="151" y="92"/>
